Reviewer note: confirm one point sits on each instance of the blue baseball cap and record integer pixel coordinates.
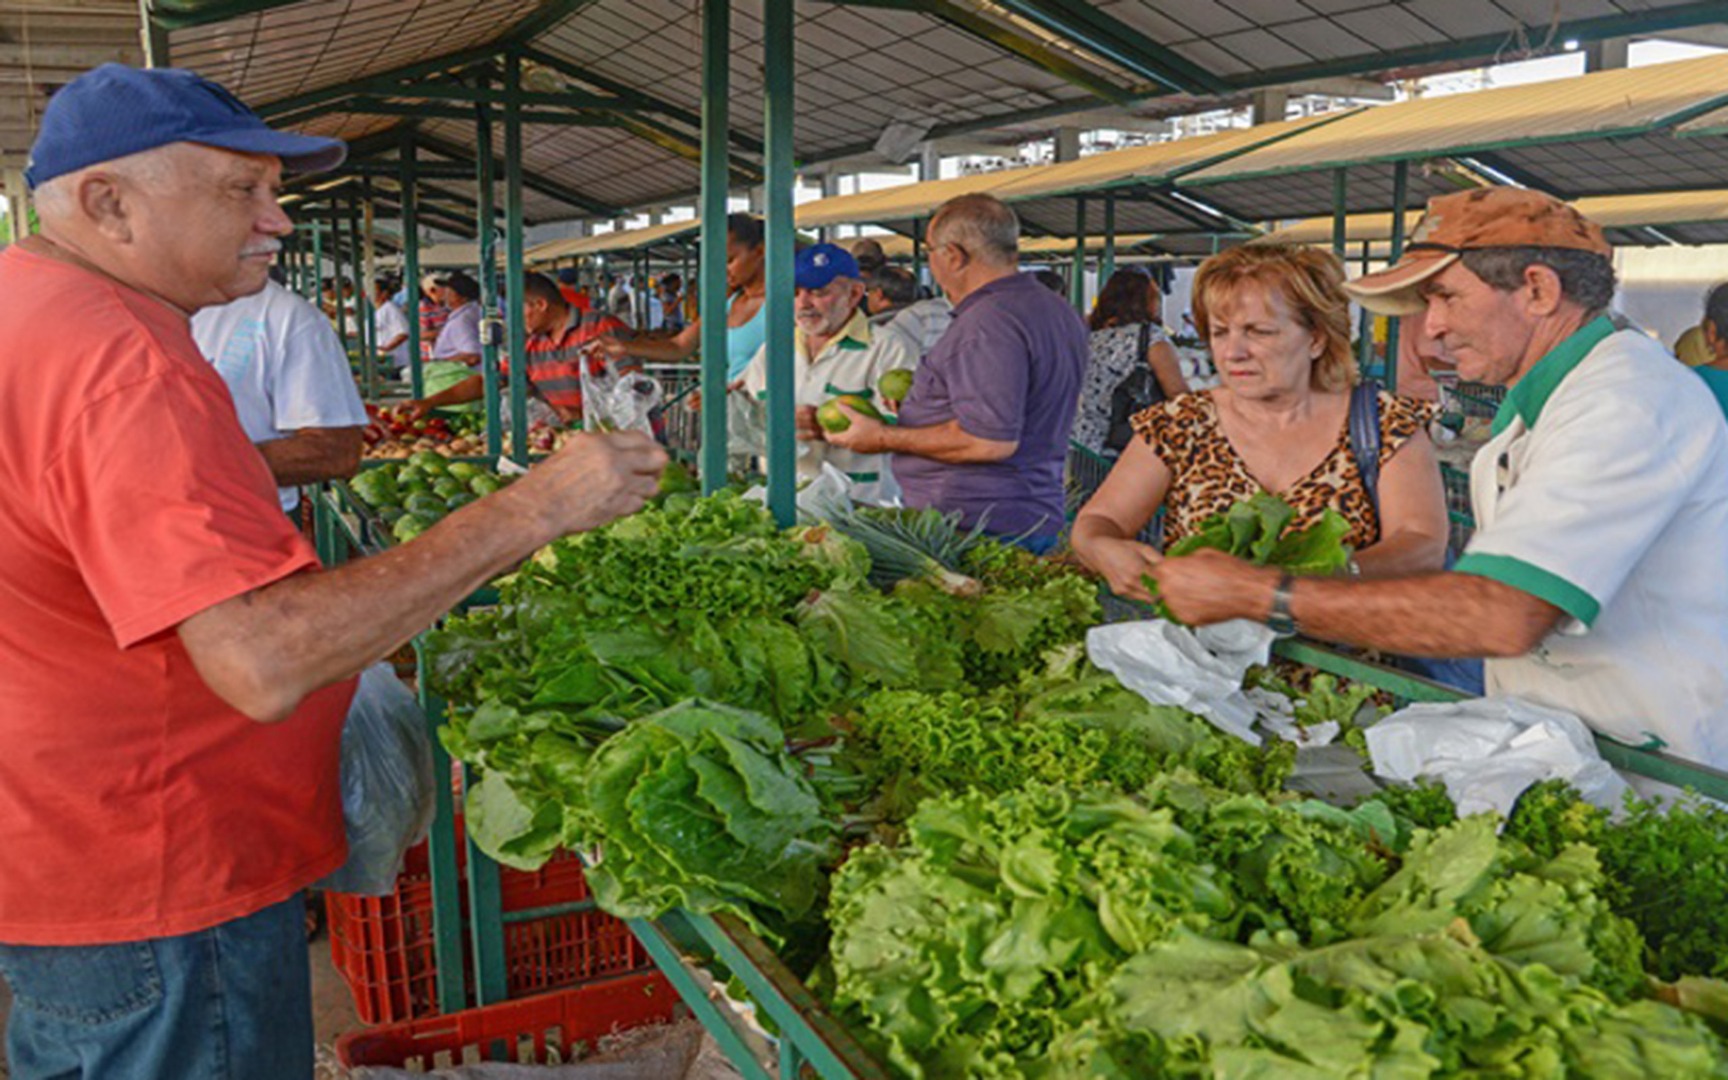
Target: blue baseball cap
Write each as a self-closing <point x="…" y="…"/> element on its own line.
<point x="114" y="110"/>
<point x="816" y="266"/>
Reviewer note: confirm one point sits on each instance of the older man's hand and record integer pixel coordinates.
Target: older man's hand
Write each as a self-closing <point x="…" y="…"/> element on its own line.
<point x="593" y="480"/>
<point x="1210" y="586"/>
<point x="808" y="429"/>
<point x="866" y="435"/>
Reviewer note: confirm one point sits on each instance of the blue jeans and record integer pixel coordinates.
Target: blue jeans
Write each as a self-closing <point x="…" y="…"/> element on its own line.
<point x="233" y="1001"/>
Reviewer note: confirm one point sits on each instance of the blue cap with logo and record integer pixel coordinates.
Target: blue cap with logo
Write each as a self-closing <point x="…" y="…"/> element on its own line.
<point x="114" y="110"/>
<point x="816" y="266"/>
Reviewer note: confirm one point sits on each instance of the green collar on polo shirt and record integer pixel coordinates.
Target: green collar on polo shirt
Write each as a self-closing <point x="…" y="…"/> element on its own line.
<point x="1526" y="399"/>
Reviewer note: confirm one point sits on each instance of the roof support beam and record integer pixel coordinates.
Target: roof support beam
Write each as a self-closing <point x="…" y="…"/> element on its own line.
<point x="374" y="106"/>
<point x="418" y="90"/>
<point x="1109" y="37"/>
<point x="1046" y="59"/>
<point x="1653" y="21"/>
<point x="532" y="181"/>
<point x="298" y="103"/>
<point x="645" y="102"/>
<point x="185" y="14"/>
<point x="676" y="142"/>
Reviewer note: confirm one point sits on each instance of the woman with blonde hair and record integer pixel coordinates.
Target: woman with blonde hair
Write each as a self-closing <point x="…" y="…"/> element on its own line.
<point x="1287" y="419"/>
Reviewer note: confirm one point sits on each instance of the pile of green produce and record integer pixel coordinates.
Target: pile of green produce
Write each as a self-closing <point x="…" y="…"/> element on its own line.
<point x="1048" y="932"/>
<point x="415" y="495"/>
<point x="1258" y="530"/>
<point x="705" y="598"/>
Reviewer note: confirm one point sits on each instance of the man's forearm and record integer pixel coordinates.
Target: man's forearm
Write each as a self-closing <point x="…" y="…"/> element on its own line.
<point x="473" y="388"/>
<point x="264" y="650"/>
<point x="313" y="454"/>
<point x="267" y="649"/>
<point x="664" y="351"/>
<point x="1438" y="615"/>
<point x="948" y="443"/>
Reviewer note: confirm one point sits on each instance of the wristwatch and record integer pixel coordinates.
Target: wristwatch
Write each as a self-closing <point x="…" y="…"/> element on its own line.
<point x="1282" y="622"/>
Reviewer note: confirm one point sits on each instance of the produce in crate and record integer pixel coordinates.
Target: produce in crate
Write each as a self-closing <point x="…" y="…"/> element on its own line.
<point x="414" y="496"/>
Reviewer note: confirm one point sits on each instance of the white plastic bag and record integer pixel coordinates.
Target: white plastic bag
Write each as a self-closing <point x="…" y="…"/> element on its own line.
<point x="387" y="792"/>
<point x="1488" y="750"/>
<point x="1201" y="671"/>
<point x="619" y="400"/>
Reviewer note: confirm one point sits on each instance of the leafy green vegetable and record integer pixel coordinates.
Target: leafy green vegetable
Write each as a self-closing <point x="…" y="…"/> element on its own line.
<point x="1255" y="529"/>
<point x="1666" y="869"/>
<point x="700" y="807"/>
<point x="1406" y="1005"/>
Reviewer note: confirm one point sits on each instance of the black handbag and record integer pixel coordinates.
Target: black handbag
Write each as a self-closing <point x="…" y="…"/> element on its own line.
<point x="1138" y="391"/>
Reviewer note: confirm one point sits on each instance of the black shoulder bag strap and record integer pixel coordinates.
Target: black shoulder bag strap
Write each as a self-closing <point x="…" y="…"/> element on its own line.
<point x="1365" y="437"/>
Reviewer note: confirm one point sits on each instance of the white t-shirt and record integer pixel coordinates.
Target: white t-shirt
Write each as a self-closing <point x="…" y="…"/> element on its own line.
<point x="1604" y="491"/>
<point x="283" y="365"/>
<point x="388" y="323"/>
<point x="851" y="363"/>
<point x="461" y="333"/>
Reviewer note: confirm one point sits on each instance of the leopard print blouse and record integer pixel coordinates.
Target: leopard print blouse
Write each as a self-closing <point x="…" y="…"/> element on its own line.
<point x="1207" y="477"/>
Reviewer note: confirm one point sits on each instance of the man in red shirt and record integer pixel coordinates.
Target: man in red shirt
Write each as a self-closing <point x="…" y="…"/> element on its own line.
<point x="557" y="334"/>
<point x="177" y="668"/>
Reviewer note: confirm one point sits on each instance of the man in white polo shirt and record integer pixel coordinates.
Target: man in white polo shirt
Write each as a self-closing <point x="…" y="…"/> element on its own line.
<point x="1597" y="580"/>
<point x="836" y="351"/>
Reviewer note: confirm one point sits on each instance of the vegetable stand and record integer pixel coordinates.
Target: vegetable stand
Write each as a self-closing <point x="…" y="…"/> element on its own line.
<point x="695" y="952"/>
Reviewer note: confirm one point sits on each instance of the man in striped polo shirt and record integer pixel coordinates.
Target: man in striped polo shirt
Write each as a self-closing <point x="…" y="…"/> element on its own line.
<point x="557" y="333"/>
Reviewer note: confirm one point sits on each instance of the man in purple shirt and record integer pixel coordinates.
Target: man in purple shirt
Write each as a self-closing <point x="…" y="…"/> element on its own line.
<point x="985" y="429"/>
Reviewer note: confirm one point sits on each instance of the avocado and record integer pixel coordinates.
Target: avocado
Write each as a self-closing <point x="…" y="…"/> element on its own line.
<point x="832" y="419"/>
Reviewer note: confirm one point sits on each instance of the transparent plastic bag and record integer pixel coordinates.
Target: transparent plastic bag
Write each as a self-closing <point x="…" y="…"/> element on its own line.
<point x="618" y="400"/>
<point x="387" y="783"/>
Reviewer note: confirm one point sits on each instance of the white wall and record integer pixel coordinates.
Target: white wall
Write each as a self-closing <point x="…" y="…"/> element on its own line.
<point x="1662" y="289"/>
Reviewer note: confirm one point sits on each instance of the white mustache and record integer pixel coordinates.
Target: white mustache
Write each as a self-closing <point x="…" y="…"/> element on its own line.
<point x="264" y="249"/>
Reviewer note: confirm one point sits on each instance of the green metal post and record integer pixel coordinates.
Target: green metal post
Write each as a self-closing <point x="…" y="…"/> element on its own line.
<point x="777" y="80"/>
<point x="411" y="263"/>
<point x="1340" y="211"/>
<point x="711" y="296"/>
<point x="1107" y="264"/>
<point x="514" y="257"/>
<point x="1400" y="196"/>
<point x="362" y="306"/>
<point x="485" y="919"/>
<point x="441" y="855"/>
<point x="317" y="275"/>
<point x="1077" y="280"/>
<point x="336" y="271"/>
<point x="487" y="272"/>
<point x="918" y="251"/>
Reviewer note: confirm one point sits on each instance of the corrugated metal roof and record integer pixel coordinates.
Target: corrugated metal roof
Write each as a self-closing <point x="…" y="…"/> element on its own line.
<point x="44" y="44"/>
<point x="1623" y="102"/>
<point x="297" y="48"/>
<point x="1152" y="165"/>
<point x="624" y="240"/>
<point x="1616" y="212"/>
<point x="862" y="68"/>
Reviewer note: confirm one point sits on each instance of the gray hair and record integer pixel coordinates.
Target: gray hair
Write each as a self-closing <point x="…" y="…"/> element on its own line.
<point x="1586" y="278"/>
<point x="982" y="225"/>
<point x="147" y="168"/>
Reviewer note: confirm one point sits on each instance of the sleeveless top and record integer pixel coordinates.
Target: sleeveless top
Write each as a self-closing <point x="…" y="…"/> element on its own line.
<point x="1207" y="476"/>
<point x="743" y="342"/>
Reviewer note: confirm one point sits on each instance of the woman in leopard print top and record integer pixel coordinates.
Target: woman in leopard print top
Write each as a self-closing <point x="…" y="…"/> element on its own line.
<point x="1277" y="320"/>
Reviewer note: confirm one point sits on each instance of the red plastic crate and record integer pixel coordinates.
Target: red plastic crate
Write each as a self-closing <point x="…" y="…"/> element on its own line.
<point x="383" y="946"/>
<point x="548" y="1029"/>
